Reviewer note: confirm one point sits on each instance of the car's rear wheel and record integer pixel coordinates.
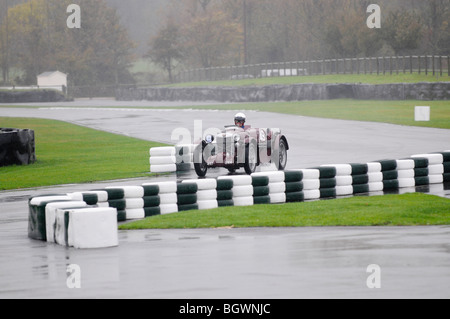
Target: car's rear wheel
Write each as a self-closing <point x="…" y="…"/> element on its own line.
<point x="282" y="155"/>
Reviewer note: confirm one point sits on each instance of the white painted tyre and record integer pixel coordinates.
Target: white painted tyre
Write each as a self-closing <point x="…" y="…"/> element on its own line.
<point x="162" y="151"/>
<point x="243" y="201"/>
<point x="163" y="168"/>
<point x="163" y="160"/>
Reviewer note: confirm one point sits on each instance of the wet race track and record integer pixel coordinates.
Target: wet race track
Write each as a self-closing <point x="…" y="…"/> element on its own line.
<point x="233" y="263"/>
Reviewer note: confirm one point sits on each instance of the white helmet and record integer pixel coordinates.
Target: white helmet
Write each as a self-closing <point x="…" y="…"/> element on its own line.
<point x="240" y="117"/>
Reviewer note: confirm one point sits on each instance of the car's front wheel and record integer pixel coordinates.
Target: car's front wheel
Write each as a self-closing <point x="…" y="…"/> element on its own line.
<point x="251" y="158"/>
<point x="199" y="162"/>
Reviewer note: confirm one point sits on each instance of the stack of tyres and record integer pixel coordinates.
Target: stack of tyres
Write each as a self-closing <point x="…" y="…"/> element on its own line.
<point x="293" y="181"/>
<point x="116" y="200"/>
<point x="187" y="196"/>
<point x="446" y="164"/>
<point x="50" y="216"/>
<point x="420" y="171"/>
<point x="405" y="174"/>
<point x="37" y="226"/>
<point x="327" y="179"/>
<point x="167" y="193"/>
<point x="61" y="220"/>
<point x="17" y="147"/>
<point x="390" y="174"/>
<point x="242" y="189"/>
<point x="151" y="200"/>
<point x="435" y="167"/>
<point x="311" y="183"/>
<point x="277" y="187"/>
<point x="260" y="189"/>
<point x="224" y="192"/>
<point x="163" y="159"/>
<point x="184" y="157"/>
<point x="85" y="228"/>
<point x="128" y="200"/>
<point x="343" y="179"/>
<point x="375" y="177"/>
<point x="360" y="178"/>
<point x="206" y="193"/>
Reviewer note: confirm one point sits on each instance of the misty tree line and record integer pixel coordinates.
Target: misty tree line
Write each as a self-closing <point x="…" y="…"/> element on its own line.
<point x="186" y="34"/>
<point x="210" y="33"/>
<point x="34" y="38"/>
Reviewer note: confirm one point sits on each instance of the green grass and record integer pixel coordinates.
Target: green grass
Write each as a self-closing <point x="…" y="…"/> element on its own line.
<point x="394" y="112"/>
<point x="334" y="78"/>
<point x="389" y="210"/>
<point x="67" y="153"/>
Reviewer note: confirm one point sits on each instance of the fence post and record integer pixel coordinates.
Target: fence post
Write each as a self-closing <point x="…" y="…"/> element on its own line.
<point x="420" y="67"/>
<point x="433" y="64"/>
<point x="390" y="65"/>
<point x="410" y="64"/>
<point x="440" y="65"/>
<point x="448" y="65"/>
<point x="404" y="65"/>
<point x="426" y="64"/>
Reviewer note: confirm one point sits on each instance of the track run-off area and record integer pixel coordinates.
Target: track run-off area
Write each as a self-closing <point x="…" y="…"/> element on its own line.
<point x="329" y="262"/>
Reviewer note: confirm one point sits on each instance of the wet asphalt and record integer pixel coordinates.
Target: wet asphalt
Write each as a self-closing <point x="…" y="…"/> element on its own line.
<point x="278" y="263"/>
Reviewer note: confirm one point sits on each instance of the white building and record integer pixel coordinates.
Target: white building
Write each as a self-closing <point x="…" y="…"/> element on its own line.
<point x="53" y="80"/>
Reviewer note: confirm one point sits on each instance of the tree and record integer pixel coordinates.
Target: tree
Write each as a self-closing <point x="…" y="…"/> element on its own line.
<point x="98" y="52"/>
<point x="211" y="39"/>
<point x="402" y="31"/>
<point x="166" y="48"/>
<point x="437" y="20"/>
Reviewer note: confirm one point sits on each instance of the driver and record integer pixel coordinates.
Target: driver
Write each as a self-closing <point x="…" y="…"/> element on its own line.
<point x="239" y="120"/>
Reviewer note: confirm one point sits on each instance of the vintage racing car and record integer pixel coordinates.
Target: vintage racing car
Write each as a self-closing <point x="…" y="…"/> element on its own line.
<point x="237" y="147"/>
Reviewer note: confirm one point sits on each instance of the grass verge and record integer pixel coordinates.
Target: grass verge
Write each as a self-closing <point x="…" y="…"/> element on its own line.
<point x="394" y="112"/>
<point x="68" y="153"/>
<point x="389" y="210"/>
<point x="324" y="79"/>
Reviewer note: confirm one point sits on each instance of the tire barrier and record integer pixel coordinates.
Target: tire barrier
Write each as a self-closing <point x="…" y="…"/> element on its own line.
<point x="187" y="196"/>
<point x="66" y="218"/>
<point x="167" y="196"/>
<point x="17" y="147"/>
<point x="59" y="219"/>
<point x="261" y="189"/>
<point x="207" y="197"/>
<point x="311" y="183"/>
<point x="294" y="186"/>
<point x="446" y="164"/>
<point x="424" y="91"/>
<point x="163" y="159"/>
<point x="435" y="167"/>
<point x="171" y="159"/>
<point x="242" y="190"/>
<point x="225" y="192"/>
<point x="276" y="186"/>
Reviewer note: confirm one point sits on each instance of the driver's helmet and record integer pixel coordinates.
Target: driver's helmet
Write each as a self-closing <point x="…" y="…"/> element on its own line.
<point x="239" y="120"/>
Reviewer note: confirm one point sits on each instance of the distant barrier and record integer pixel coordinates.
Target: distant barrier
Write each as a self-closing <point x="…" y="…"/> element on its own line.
<point x="433" y="65"/>
<point x="294" y="92"/>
